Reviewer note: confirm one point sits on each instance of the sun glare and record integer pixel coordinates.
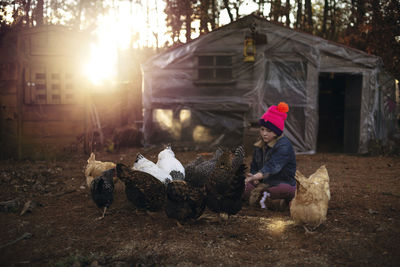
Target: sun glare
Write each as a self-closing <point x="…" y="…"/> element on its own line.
<point x="123" y="27"/>
<point x="8" y="14"/>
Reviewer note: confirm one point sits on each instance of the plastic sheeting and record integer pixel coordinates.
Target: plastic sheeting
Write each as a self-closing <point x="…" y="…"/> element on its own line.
<point x="222" y="95"/>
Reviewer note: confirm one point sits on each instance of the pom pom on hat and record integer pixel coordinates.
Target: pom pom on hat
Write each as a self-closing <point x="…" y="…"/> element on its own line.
<point x="274" y="118"/>
<point x="283" y="107"/>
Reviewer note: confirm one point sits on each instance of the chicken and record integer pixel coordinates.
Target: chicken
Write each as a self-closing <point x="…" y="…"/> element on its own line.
<point x="145" y="165"/>
<point x="310" y="204"/>
<point x="225" y="184"/>
<point x="95" y="168"/>
<point x="141" y="188"/>
<point x="184" y="202"/>
<point x="198" y="171"/>
<point x="170" y="164"/>
<point x="102" y="190"/>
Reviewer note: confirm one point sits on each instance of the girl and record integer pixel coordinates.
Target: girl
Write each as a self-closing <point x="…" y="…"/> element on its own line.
<point x="273" y="164"/>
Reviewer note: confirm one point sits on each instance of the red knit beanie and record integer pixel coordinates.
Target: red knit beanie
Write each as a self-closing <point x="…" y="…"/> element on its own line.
<point x="274" y="118"/>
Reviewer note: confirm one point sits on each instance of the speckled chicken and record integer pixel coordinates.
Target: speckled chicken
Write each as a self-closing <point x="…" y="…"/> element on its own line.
<point x="142" y="189"/>
<point x="95" y="168"/>
<point x="225" y="184"/>
<point x="102" y="190"/>
<point x="198" y="171"/>
<point x="184" y="202"/>
<point x="310" y="204"/>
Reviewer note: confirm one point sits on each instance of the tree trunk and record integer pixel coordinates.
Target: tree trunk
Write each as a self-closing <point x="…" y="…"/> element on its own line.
<point x="360" y="12"/>
<point x="325" y="18"/>
<point x="299" y="14"/>
<point x="214" y="15"/>
<point x="236" y="6"/>
<point x="261" y="4"/>
<point x="39" y="12"/>
<point x="27" y="9"/>
<point x="287" y="13"/>
<point x="79" y="14"/>
<point x="309" y="22"/>
<point x="226" y="4"/>
<point x="204" y="4"/>
<point x="332" y="30"/>
<point x="188" y="22"/>
<point x="275" y="13"/>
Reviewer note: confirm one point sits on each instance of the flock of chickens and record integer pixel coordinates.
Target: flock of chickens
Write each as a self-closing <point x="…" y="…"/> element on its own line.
<point x="184" y="192"/>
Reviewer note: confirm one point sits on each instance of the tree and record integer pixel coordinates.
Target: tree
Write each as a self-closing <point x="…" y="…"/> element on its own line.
<point x="308" y="16"/>
<point x="228" y="9"/>
<point x="299" y="14"/>
<point x="173" y="20"/>
<point x="325" y="18"/>
<point x="381" y="39"/>
<point x="39" y="12"/>
<point x="375" y="29"/>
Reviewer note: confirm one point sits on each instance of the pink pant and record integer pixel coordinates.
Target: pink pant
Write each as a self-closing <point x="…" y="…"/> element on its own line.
<point x="280" y="191"/>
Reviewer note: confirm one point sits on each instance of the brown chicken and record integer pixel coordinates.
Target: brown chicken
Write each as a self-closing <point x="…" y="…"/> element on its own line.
<point x="184" y="202"/>
<point x="310" y="204"/>
<point x="225" y="185"/>
<point x="95" y="168"/>
<point x="141" y="188"/>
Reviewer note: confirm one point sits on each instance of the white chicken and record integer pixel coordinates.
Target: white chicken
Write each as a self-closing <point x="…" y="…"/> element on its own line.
<point x="169" y="163"/>
<point x="310" y="204"/>
<point x="95" y="168"/>
<point x="145" y="165"/>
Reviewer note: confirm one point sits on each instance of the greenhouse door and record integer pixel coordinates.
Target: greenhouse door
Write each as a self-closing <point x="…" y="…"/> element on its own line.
<point x="352" y="111"/>
<point x="339" y="112"/>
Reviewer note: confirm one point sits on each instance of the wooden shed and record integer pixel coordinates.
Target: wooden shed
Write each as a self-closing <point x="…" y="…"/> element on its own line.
<point x="42" y="92"/>
<point x="49" y="109"/>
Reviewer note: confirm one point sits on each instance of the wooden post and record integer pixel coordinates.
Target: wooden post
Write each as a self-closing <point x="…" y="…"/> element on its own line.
<point x="86" y="118"/>
<point x="20" y="87"/>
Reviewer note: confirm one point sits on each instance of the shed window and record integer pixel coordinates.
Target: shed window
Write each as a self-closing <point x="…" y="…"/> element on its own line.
<point x="56" y="99"/>
<point x="41" y="99"/>
<point x="40" y="87"/>
<point x="214" y="68"/>
<point x="45" y="87"/>
<point x="40" y="76"/>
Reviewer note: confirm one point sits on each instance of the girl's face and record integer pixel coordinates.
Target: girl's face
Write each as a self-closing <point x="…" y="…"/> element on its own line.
<point x="267" y="135"/>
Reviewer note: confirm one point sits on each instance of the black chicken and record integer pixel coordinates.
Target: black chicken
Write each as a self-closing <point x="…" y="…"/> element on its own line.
<point x="142" y="189"/>
<point x="225" y="184"/>
<point x="102" y="190"/>
<point x="184" y="202"/>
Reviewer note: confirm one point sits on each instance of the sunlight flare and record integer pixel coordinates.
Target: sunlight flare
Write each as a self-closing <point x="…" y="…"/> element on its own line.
<point x="122" y="28"/>
<point x="274" y="225"/>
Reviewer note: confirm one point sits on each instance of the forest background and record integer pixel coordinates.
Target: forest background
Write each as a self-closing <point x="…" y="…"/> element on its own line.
<point x="372" y="26"/>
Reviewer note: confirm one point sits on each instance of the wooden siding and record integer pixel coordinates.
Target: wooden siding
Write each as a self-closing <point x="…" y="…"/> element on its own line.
<point x="53" y="113"/>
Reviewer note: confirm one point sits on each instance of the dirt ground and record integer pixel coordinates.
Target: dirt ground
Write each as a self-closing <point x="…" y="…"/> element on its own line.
<point x="362" y="228"/>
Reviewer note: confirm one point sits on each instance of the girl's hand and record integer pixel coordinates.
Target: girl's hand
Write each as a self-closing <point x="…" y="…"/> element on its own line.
<point x="251" y="178"/>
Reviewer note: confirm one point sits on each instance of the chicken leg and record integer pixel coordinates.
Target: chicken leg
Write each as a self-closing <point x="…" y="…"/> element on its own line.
<point x="104" y="214"/>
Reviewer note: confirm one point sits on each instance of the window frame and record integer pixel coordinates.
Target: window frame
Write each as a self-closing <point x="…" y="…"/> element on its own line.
<point x="50" y="86"/>
<point x="214" y="68"/>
